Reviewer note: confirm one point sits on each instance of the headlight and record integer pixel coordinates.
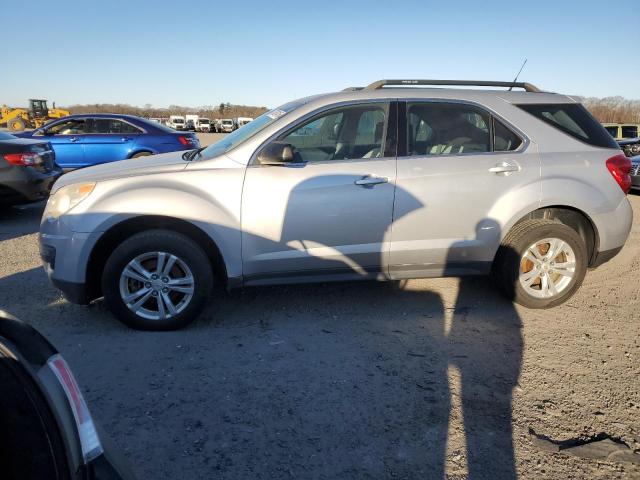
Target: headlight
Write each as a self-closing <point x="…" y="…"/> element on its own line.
<point x="66" y="198"/>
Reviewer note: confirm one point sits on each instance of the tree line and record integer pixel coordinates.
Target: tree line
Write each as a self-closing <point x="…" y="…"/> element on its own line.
<point x="223" y="110"/>
<point x="609" y="109"/>
<point x="613" y="109"/>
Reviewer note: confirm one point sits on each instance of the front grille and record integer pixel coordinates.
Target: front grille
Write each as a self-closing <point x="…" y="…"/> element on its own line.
<point x="635" y="169"/>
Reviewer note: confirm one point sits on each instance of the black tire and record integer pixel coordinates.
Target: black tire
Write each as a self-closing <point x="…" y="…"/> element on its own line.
<point x="509" y="261"/>
<point x="16" y="125"/>
<point x="186" y="250"/>
<point x="141" y="154"/>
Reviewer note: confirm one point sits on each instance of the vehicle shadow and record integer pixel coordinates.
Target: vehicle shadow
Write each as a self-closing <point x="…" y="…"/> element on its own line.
<point x="19" y="220"/>
<point x="487" y="351"/>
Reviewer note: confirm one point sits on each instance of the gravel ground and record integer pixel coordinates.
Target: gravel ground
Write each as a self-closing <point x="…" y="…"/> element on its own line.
<point x="368" y="380"/>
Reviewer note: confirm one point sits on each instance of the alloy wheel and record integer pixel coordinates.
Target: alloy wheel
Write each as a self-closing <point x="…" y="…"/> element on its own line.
<point x="547" y="268"/>
<point x="156" y="285"/>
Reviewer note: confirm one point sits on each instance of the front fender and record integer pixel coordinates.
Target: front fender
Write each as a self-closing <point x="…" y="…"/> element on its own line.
<point x="208" y="199"/>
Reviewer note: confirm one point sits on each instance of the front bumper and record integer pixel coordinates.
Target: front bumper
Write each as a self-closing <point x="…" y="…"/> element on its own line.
<point x="65" y="257"/>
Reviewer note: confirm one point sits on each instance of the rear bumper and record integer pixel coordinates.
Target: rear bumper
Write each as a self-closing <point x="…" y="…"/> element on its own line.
<point x="613" y="227"/>
<point x="25" y="184"/>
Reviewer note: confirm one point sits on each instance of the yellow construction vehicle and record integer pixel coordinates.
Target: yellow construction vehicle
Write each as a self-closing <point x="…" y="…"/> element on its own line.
<point x="17" y="119"/>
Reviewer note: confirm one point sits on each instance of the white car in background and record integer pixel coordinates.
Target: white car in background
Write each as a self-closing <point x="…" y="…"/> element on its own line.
<point x="176" y="122"/>
<point x="226" y="125"/>
<point x="241" y="121"/>
<point x="203" y="125"/>
<point x="194" y="119"/>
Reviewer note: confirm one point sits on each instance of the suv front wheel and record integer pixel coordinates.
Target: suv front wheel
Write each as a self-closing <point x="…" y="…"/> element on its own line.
<point x="541" y="263"/>
<point x="157" y="280"/>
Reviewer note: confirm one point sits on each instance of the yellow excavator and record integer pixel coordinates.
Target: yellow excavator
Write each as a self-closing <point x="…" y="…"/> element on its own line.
<point x="17" y="119"/>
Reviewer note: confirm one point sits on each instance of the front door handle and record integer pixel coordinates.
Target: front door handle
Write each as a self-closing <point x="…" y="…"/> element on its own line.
<point x="504" y="168"/>
<point x="73" y="139"/>
<point x="371" y="180"/>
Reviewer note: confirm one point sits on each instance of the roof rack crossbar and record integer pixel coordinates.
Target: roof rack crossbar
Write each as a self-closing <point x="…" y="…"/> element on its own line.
<point x="467" y="83"/>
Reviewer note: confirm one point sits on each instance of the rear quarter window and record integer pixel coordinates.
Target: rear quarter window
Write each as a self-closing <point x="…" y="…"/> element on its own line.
<point x="574" y="120"/>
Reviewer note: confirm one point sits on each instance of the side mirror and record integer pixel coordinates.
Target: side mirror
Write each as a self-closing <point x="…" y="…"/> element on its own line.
<point x="278" y="153"/>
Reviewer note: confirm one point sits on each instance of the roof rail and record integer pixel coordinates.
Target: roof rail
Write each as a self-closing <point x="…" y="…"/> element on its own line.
<point x="352" y="89"/>
<point x="467" y="83"/>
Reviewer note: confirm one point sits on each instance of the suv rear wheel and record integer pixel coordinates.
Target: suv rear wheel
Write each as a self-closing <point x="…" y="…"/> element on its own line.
<point x="157" y="280"/>
<point x="541" y="263"/>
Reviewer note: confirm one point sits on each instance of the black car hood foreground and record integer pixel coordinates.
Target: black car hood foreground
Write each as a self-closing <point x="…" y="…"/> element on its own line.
<point x="39" y="437"/>
<point x="22" y="141"/>
<point x="33" y="346"/>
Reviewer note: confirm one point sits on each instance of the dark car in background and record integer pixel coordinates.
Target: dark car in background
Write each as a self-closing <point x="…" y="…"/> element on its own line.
<point x="46" y="429"/>
<point x="27" y="169"/>
<point x="91" y="139"/>
<point x="635" y="172"/>
<point x="630" y="147"/>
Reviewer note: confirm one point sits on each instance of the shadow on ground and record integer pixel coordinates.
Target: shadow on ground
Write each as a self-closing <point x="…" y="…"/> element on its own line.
<point x="20" y="220"/>
<point x="317" y="381"/>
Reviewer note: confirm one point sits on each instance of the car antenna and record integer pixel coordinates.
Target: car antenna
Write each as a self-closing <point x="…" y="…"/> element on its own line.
<point x="518" y="74"/>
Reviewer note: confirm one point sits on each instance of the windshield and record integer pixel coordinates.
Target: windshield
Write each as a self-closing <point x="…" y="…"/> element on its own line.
<point x="204" y="120"/>
<point x="241" y="135"/>
<point x="227" y="122"/>
<point x="177" y="120"/>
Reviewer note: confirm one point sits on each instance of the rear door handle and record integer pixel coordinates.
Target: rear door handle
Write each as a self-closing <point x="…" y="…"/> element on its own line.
<point x="505" y="167"/>
<point x="125" y="139"/>
<point x="371" y="180"/>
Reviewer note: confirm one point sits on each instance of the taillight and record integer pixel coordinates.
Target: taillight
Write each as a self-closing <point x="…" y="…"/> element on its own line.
<point x="89" y="440"/>
<point x="23" y="159"/>
<point x="188" y="140"/>
<point x="620" y="168"/>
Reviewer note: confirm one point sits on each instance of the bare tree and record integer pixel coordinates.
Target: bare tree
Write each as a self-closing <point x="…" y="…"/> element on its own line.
<point x="209" y="111"/>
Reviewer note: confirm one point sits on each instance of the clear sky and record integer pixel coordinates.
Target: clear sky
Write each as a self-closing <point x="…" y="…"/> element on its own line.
<point x="267" y="52"/>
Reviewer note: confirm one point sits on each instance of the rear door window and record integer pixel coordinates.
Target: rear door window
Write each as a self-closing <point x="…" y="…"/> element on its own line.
<point x="574" y="120"/>
<point x="435" y="128"/>
<point x="110" y="125"/>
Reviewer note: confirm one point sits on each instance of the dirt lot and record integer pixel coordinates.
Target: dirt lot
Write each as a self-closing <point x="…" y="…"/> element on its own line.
<point x="396" y="380"/>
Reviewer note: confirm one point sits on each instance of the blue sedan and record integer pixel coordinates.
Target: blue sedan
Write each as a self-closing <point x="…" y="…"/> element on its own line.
<point x="84" y="140"/>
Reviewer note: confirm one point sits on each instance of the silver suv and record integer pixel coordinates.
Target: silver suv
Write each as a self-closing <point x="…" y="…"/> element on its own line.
<point x="386" y="182"/>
